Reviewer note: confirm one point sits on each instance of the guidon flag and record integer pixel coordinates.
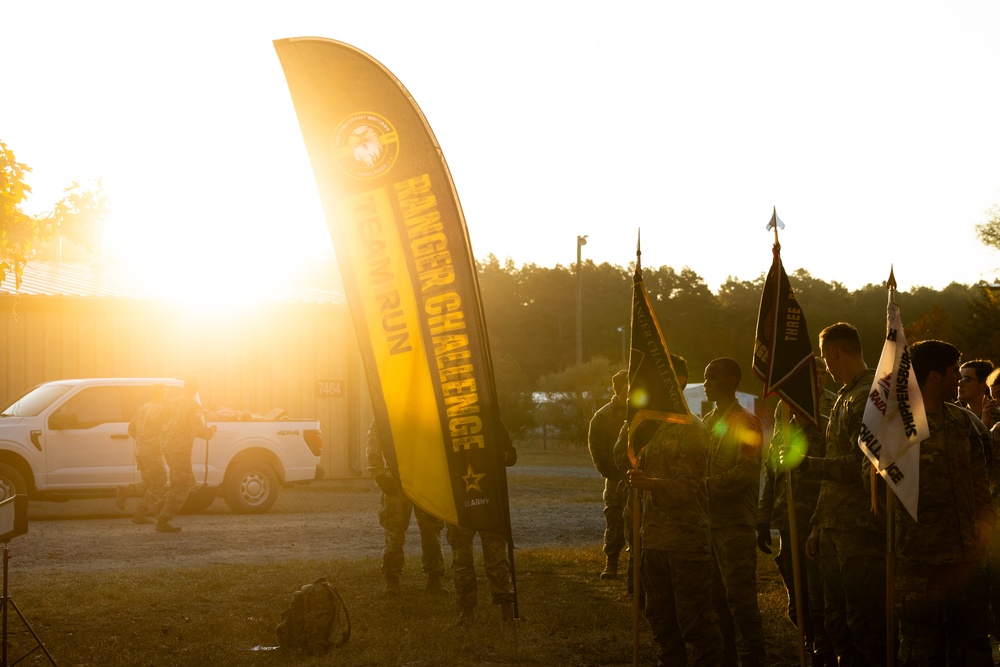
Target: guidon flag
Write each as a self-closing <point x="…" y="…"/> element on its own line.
<point x="782" y="353"/>
<point x="894" y="422"/>
<point x="654" y="394"/>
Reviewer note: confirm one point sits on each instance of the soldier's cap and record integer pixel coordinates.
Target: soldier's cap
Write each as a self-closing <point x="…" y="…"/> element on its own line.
<point x="620" y="378"/>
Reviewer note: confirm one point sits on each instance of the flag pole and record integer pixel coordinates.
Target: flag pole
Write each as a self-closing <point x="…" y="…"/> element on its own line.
<point x="890" y="547"/>
<point x="793" y="537"/>
<point x="636" y="523"/>
<point x="793" y="529"/>
<point x="636" y="508"/>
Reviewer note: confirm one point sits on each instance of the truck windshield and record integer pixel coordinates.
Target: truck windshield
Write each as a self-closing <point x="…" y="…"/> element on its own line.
<point x="32" y="403"/>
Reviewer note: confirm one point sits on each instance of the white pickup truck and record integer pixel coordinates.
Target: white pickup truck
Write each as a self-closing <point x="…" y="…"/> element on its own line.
<point x="68" y="439"/>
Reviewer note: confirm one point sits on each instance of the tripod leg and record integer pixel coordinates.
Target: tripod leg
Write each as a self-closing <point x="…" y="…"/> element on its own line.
<point x="33" y="634"/>
<point x="8" y="602"/>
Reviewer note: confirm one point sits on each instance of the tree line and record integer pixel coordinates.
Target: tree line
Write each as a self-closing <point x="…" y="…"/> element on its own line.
<point x="76" y="217"/>
<point x="531" y="318"/>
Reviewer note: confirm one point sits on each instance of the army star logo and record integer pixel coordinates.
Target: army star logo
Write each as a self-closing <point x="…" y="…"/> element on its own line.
<point x="472" y="480"/>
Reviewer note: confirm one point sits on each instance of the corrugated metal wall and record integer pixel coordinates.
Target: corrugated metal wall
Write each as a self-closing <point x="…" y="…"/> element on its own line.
<point x="255" y="359"/>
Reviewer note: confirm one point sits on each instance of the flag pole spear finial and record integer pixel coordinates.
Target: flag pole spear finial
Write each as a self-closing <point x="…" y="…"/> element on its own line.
<point x="776" y="224"/>
<point x="891" y="284"/>
<point x="638" y="251"/>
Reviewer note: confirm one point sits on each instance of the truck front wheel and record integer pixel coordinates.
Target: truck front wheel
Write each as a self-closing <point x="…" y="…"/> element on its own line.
<point x="11" y="481"/>
<point x="251" y="487"/>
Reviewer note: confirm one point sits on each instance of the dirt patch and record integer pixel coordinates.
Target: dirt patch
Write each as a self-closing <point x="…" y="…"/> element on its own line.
<point x="550" y="507"/>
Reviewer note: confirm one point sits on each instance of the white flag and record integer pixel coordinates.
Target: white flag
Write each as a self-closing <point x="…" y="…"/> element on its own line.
<point x="895" y="421"/>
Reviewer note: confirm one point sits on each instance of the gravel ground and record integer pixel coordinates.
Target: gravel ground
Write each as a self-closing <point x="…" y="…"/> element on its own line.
<point x="550" y="507"/>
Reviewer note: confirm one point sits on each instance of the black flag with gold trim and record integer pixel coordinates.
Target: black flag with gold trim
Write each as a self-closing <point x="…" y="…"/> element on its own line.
<point x="654" y="394"/>
<point x="782" y="354"/>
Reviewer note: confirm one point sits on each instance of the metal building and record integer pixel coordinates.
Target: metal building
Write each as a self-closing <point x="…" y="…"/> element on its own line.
<point x="295" y="350"/>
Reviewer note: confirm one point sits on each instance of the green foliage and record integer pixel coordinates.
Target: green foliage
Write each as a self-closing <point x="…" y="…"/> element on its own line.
<point x="17" y="230"/>
<point x="513" y="394"/>
<point x="981" y="328"/>
<point x="989" y="231"/>
<point x="574" y="395"/>
<point x="77" y="216"/>
<point x="531" y="315"/>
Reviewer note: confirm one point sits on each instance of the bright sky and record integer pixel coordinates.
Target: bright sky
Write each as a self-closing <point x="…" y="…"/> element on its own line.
<point x="871" y="126"/>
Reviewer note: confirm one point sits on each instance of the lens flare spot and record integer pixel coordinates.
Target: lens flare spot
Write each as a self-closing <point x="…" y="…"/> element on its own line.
<point x="797" y="447"/>
<point x="639" y="398"/>
<point x="749" y="436"/>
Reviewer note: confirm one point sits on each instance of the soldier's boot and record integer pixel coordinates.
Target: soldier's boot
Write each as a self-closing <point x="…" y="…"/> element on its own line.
<point x="392" y="586"/>
<point x="610" y="570"/>
<point x="434" y="586"/>
<point x="141" y="518"/>
<point x="163" y="526"/>
<point x="507" y="613"/>
<point x="467" y="617"/>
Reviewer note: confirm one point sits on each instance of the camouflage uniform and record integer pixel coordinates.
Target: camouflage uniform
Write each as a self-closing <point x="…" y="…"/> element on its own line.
<point x="772" y="512"/>
<point x="184" y="421"/>
<point x="394" y="513"/>
<point x="494" y="562"/>
<point x="733" y="482"/>
<point x="852" y="537"/>
<point x="146" y="428"/>
<point x="993" y="552"/>
<point x="677" y="547"/>
<point x="941" y="595"/>
<point x="623" y="464"/>
<point x="604" y="429"/>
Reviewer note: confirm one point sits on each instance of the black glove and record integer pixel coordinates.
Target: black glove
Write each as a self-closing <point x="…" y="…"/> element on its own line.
<point x="764" y="537"/>
<point x="509" y="456"/>
<point x="388" y="485"/>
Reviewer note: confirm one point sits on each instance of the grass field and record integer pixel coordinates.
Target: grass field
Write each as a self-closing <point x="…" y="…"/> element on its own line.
<point x="217" y="615"/>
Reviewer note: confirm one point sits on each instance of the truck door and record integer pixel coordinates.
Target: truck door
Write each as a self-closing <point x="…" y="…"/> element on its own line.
<point x="87" y="443"/>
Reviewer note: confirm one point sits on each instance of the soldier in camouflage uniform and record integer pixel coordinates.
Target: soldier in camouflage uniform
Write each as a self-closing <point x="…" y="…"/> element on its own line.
<point x="605" y="426"/>
<point x="494" y="562"/>
<point x="941" y="595"/>
<point x="847" y="537"/>
<point x="677" y="545"/>
<point x="973" y="390"/>
<point x="184" y="421"/>
<point x="394" y="513"/>
<point x="772" y="512"/>
<point x="146" y="429"/>
<point x="991" y="413"/>
<point x="623" y="464"/>
<point x="735" y="441"/>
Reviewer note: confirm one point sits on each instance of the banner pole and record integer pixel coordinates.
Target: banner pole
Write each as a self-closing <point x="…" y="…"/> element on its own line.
<point x="636" y="524"/>
<point x="793" y="537"/>
<point x="890" y="577"/>
<point x="890" y="534"/>
<point x="513" y="585"/>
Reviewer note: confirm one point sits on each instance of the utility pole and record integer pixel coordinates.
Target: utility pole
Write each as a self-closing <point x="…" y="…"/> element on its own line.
<point x="580" y="242"/>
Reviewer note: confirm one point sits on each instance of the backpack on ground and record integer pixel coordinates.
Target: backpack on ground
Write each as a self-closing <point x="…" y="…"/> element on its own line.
<point x="316" y="620"/>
